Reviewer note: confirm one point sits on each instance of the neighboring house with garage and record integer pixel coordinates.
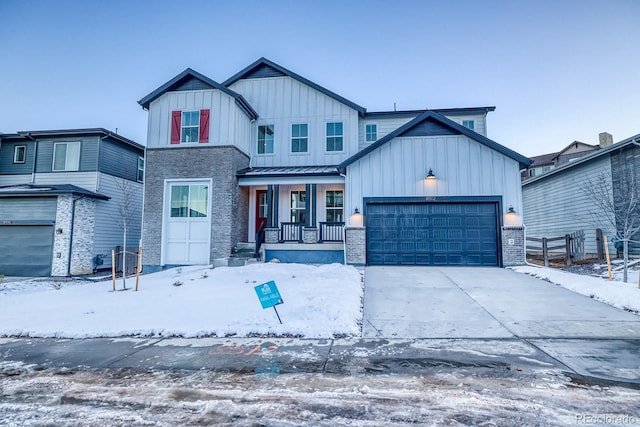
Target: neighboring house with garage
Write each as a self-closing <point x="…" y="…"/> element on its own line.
<point x="555" y="203"/>
<point x="271" y="159"/>
<point x="61" y="192"/>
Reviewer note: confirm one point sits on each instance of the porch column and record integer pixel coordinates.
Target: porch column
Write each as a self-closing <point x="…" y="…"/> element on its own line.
<point x="310" y="232"/>
<point x="271" y="233"/>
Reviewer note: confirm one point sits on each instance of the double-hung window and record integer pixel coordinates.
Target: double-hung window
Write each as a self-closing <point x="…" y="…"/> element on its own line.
<point x="66" y="156"/>
<point x="190" y="126"/>
<point x="19" y="154"/>
<point x="334" y="136"/>
<point x="189" y="201"/>
<point x="299" y="138"/>
<point x="371" y="132"/>
<point x="298" y="206"/>
<point x="265" y="139"/>
<point x="335" y="206"/>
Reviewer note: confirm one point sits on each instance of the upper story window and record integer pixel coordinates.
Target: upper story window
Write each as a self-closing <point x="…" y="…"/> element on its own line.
<point x="265" y="139"/>
<point x="334" y="136"/>
<point x="189" y="126"/>
<point x="66" y="156"/>
<point x="19" y="153"/>
<point x="471" y="124"/>
<point x="371" y="132"/>
<point x="335" y="204"/>
<point x="140" y="175"/>
<point x="299" y="138"/>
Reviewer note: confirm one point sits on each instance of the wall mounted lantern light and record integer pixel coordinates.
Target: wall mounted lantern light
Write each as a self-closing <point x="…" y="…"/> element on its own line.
<point x="430" y="174"/>
<point x="511" y="210"/>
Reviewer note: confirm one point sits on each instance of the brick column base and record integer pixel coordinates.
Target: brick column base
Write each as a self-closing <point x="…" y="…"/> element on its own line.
<point x="355" y="243"/>
<point x="309" y="235"/>
<point x="513" y="246"/>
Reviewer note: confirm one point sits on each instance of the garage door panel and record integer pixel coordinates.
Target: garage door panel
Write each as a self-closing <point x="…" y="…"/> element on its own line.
<point x="435" y="234"/>
<point x="26" y="250"/>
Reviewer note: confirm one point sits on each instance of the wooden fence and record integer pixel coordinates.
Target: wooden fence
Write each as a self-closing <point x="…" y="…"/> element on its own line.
<point x="569" y="248"/>
<point x="132" y="260"/>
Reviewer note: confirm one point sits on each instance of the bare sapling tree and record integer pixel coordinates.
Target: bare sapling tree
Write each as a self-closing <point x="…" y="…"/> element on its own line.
<point x="616" y="206"/>
<point x="127" y="194"/>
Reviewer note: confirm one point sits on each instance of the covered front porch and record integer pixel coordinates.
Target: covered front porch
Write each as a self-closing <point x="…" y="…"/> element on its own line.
<point x="296" y="214"/>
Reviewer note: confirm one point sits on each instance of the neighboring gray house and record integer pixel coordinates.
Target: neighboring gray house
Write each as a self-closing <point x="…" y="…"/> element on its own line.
<point x="271" y="159"/>
<point x="555" y="203"/>
<point x="60" y="198"/>
<point x="548" y="162"/>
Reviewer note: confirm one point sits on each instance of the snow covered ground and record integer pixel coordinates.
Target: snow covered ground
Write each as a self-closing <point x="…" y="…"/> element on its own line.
<point x="319" y="302"/>
<point x="616" y="293"/>
<point x="444" y="397"/>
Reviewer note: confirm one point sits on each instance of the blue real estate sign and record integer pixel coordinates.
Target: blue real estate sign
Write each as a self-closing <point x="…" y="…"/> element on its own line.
<point x="268" y="294"/>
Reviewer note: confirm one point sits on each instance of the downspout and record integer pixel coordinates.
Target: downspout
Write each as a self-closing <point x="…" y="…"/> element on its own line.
<point x="35" y="157"/>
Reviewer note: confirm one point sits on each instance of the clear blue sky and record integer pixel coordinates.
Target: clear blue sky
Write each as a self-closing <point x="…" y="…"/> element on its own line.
<point x="557" y="71"/>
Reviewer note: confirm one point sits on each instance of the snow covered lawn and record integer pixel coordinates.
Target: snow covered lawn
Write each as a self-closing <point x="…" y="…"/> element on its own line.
<point x="615" y="293"/>
<point x="319" y="302"/>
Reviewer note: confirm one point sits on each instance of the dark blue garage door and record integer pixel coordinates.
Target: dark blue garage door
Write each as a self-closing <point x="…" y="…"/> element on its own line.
<point x="432" y="234"/>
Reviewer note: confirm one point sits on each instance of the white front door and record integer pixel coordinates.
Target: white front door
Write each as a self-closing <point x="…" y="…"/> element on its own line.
<point x="187" y="231"/>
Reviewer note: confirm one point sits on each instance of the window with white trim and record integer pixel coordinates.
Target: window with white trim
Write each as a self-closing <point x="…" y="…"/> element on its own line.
<point x="470" y="124"/>
<point x="19" y="153"/>
<point x="140" y="175"/>
<point x="334" y="136"/>
<point x="299" y="138"/>
<point x="265" y="139"/>
<point x="371" y="132"/>
<point x="190" y="126"/>
<point x="334" y="206"/>
<point x="189" y="201"/>
<point x="298" y="206"/>
<point x="66" y="156"/>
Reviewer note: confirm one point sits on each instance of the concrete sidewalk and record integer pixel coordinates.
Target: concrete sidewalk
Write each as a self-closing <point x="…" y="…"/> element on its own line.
<point x="593" y="361"/>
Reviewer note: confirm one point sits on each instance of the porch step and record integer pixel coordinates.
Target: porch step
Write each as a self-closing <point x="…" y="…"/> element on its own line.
<point x="242" y="254"/>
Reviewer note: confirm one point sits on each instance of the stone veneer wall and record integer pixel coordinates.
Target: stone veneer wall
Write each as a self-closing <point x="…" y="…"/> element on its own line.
<point x="513" y="246"/>
<point x="83" y="236"/>
<point x="229" y="202"/>
<point x="355" y="242"/>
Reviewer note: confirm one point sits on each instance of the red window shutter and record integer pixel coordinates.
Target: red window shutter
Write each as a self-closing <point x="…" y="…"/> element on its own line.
<point x="176" y="122"/>
<point x="204" y="126"/>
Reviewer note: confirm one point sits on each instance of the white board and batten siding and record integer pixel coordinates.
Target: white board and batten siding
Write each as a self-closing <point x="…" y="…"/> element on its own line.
<point x="283" y="101"/>
<point x="109" y="229"/>
<point x="462" y="166"/>
<point x="556" y="205"/>
<point x="229" y="125"/>
<point x="384" y="127"/>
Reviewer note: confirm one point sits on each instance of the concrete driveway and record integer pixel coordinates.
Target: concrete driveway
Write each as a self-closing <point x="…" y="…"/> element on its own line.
<point x="468" y="302"/>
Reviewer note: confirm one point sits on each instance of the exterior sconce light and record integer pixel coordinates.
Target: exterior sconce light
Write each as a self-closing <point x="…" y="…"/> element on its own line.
<point x="511" y="210"/>
<point x="430" y="174"/>
<point x="58" y="230"/>
<point x="356" y="218"/>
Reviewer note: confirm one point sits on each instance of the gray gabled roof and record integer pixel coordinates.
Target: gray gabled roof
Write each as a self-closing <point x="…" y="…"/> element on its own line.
<point x="432" y="115"/>
<point x="264" y="62"/>
<point x="77" y="132"/>
<point x="188" y="74"/>
<point x="581" y="160"/>
<point x="29" y="190"/>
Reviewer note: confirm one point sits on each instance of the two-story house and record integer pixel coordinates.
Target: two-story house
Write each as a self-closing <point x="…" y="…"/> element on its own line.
<point x="62" y="195"/>
<point x="272" y="158"/>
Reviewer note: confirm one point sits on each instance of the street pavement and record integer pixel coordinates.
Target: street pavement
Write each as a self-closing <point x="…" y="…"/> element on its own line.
<point x="416" y="320"/>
